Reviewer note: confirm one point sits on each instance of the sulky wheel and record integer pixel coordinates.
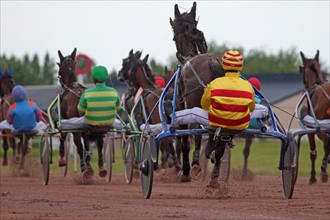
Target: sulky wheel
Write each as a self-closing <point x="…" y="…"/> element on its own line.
<point x="108" y="149"/>
<point x="225" y="164"/>
<point x="128" y="159"/>
<point x="64" y="169"/>
<point x="147" y="166"/>
<point x="45" y="158"/>
<point x="290" y="168"/>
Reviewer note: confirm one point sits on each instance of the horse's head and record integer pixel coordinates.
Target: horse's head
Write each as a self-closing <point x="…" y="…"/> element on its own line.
<point x="311" y="71"/>
<point x="7" y="82"/>
<point x="135" y="72"/>
<point x="185" y="22"/>
<point x="188" y="39"/>
<point x="66" y="73"/>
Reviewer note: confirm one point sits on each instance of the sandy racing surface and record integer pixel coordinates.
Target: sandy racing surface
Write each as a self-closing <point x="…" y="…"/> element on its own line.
<point x="25" y="197"/>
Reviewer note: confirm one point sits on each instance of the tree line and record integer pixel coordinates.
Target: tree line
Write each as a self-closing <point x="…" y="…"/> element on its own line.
<point x="30" y="71"/>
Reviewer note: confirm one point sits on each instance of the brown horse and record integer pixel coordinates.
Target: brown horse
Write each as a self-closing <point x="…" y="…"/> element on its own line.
<point x="6" y="86"/>
<point x="138" y="75"/>
<point x="319" y="91"/>
<point x="188" y="39"/>
<point x="190" y="43"/>
<point x="69" y="102"/>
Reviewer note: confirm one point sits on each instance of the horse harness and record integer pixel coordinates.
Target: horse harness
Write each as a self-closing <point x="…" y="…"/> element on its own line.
<point x="201" y="83"/>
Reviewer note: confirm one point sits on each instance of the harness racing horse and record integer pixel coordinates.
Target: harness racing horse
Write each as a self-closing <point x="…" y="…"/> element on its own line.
<point x="138" y="75"/>
<point x="319" y="91"/>
<point x="69" y="102"/>
<point x="189" y="42"/>
<point x="6" y="86"/>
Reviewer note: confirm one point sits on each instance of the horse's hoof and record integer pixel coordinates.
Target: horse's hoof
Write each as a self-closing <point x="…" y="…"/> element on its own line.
<point x="213" y="183"/>
<point x="312" y="181"/>
<point x="5" y="163"/>
<point x="88" y="173"/>
<point x="196" y="172"/>
<point x="170" y="162"/>
<point x="102" y="172"/>
<point x="136" y="174"/>
<point x="324" y="177"/>
<point x="178" y="168"/>
<point x="16" y="160"/>
<point x="61" y="162"/>
<point x="185" y="179"/>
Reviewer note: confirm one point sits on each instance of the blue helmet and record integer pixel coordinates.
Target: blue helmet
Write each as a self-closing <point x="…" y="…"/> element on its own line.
<point x="19" y="93"/>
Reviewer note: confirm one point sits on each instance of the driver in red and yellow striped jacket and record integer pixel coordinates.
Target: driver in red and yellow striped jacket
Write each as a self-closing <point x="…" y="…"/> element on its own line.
<point x="229" y="101"/>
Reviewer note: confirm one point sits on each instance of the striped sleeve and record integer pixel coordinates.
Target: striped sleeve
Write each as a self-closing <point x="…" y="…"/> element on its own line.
<point x="82" y="104"/>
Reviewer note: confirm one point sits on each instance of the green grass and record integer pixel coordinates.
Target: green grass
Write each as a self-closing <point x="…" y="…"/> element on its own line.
<point x="263" y="160"/>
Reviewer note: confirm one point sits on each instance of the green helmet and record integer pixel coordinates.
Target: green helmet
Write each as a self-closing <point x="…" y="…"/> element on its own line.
<point x="100" y="73"/>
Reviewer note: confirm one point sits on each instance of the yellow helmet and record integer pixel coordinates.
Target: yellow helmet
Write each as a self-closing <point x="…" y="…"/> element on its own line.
<point x="232" y="60"/>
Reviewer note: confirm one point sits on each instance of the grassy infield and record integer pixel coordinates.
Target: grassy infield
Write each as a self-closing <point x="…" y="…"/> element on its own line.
<point x="263" y="160"/>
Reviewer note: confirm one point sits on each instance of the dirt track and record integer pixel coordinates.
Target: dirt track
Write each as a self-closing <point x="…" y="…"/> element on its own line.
<point x="63" y="198"/>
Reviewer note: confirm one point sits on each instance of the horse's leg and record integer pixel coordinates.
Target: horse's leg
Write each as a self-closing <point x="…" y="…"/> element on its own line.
<point x="171" y="151"/>
<point x="61" y="161"/>
<point x="80" y="150"/>
<point x="23" y="145"/>
<point x="102" y="171"/>
<point x="5" y="150"/>
<point x="185" y="146"/>
<point x="313" y="156"/>
<point x="196" y="169"/>
<point x="198" y="142"/>
<point x="246" y="153"/>
<point x="178" y="149"/>
<point x="164" y="155"/>
<point x="326" y="146"/>
<point x="16" y="149"/>
<point x="219" y="151"/>
<point x="87" y="156"/>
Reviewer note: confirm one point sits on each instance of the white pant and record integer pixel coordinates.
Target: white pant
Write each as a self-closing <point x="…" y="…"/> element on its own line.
<point x="199" y="115"/>
<point x="40" y="127"/>
<point x="78" y="122"/>
<point x="310" y="122"/>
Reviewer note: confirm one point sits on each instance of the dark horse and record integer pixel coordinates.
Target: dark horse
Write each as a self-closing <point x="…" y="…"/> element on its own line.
<point x="190" y="43"/>
<point x="69" y="102"/>
<point x="6" y="86"/>
<point x="138" y="75"/>
<point x="319" y="91"/>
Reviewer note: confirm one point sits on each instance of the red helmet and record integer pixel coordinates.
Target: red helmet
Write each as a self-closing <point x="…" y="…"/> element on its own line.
<point x="255" y="82"/>
<point x="159" y="81"/>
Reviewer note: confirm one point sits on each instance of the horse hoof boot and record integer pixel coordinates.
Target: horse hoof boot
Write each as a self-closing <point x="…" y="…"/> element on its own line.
<point x="61" y="162"/>
<point x="88" y="173"/>
<point x="312" y="181"/>
<point x="196" y="172"/>
<point x="212" y="157"/>
<point x="213" y="183"/>
<point x="185" y="179"/>
<point x="102" y="172"/>
<point x="5" y="163"/>
<point x="324" y="177"/>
